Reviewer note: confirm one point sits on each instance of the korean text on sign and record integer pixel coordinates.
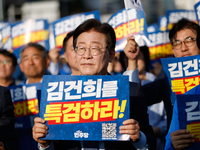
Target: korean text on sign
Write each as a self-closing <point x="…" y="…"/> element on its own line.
<point x="84" y="111"/>
<point x="90" y="88"/>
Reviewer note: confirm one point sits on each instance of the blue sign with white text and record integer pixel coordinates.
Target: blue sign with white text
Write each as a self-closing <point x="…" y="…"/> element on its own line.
<point x="182" y="73"/>
<point x="84" y="107"/>
<point x="25" y="100"/>
<point x="189" y="116"/>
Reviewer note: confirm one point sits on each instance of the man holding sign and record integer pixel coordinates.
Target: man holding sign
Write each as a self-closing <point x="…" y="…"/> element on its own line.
<point x="94" y="45"/>
<point x="183" y="37"/>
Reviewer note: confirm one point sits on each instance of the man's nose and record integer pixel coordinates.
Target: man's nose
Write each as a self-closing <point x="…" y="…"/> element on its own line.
<point x="87" y="53"/>
<point x="184" y="47"/>
<point x="30" y="61"/>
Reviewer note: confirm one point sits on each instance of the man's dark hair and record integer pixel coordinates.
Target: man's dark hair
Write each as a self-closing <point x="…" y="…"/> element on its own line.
<point x="181" y="25"/>
<point x="145" y="51"/>
<point x="68" y="36"/>
<point x="37" y="46"/>
<point x="96" y="25"/>
<point x="6" y="53"/>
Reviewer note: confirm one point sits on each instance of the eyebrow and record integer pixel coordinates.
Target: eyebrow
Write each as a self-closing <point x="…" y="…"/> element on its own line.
<point x="184" y="39"/>
<point x="92" y="42"/>
<point x="32" y="55"/>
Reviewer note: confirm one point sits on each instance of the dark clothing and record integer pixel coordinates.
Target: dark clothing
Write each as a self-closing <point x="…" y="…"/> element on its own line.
<point x="138" y="111"/>
<point x="7" y="119"/>
<point x="158" y="91"/>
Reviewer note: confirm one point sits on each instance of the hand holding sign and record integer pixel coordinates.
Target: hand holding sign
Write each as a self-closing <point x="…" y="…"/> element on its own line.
<point x="130" y="127"/>
<point x="39" y="131"/>
<point x="181" y="139"/>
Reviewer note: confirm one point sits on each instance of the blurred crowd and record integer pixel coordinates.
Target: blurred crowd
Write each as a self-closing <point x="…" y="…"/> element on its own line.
<point x="35" y="62"/>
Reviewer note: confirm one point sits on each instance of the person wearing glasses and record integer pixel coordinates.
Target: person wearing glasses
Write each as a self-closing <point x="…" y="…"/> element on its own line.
<point x="94" y="44"/>
<point x="183" y="38"/>
<point x="8" y="63"/>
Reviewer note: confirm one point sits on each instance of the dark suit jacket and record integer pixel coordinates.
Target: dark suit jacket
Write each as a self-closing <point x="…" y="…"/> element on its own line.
<point x="138" y="111"/>
<point x="7" y="119"/>
<point x="158" y="91"/>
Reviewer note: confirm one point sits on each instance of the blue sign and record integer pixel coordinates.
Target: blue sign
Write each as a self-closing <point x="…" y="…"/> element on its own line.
<point x="182" y="74"/>
<point x="138" y="27"/>
<point x="84" y="107"/>
<point x="25" y="100"/>
<point x="35" y="31"/>
<point x="197" y="11"/>
<point x="173" y="16"/>
<point x="189" y="116"/>
<point x="69" y="23"/>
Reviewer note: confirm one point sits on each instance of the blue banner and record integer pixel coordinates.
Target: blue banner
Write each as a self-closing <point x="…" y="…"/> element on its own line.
<point x="6" y="39"/>
<point x="182" y="74"/>
<point x="159" y="46"/>
<point x="162" y="23"/>
<point x="152" y="28"/>
<point x="35" y="31"/>
<point x="197" y="11"/>
<point x="25" y="100"/>
<point x="69" y="23"/>
<point x="138" y="26"/>
<point x="173" y="16"/>
<point x="84" y="107"/>
<point x="189" y="116"/>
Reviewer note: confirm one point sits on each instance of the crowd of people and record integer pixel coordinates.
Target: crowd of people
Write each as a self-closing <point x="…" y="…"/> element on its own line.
<point x="90" y="50"/>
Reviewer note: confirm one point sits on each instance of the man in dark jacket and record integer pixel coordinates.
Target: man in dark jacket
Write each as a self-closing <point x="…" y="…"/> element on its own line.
<point x="94" y="45"/>
<point x="8" y="134"/>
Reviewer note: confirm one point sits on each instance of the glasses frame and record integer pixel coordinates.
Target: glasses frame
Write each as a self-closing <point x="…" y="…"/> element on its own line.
<point x="99" y="50"/>
<point x="4" y="62"/>
<point x="185" y="42"/>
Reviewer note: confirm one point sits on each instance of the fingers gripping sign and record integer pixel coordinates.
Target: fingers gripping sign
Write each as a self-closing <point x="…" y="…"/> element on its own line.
<point x="181" y="139"/>
<point x="39" y="131"/>
<point x="130" y="127"/>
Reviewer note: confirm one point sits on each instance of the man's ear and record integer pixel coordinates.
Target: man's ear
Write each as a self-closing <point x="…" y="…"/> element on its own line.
<point x="111" y="55"/>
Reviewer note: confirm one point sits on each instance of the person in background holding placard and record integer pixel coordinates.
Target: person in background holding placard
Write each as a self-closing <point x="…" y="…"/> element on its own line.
<point x="183" y="38"/>
<point x="94" y="45"/>
<point x="69" y="54"/>
<point x="34" y="63"/>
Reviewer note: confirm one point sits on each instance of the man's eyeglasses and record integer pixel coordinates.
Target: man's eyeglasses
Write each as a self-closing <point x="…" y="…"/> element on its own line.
<point x="188" y="42"/>
<point x="6" y="62"/>
<point x="94" y="50"/>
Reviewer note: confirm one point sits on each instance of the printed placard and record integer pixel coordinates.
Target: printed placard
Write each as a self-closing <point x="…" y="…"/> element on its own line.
<point x="69" y="23"/>
<point x="6" y="39"/>
<point x="189" y="116"/>
<point x="35" y="31"/>
<point x="84" y="107"/>
<point x="173" y="16"/>
<point x="138" y="25"/>
<point x="25" y="100"/>
<point x="182" y="74"/>
<point x="197" y="11"/>
<point x="162" y="23"/>
<point x="159" y="46"/>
